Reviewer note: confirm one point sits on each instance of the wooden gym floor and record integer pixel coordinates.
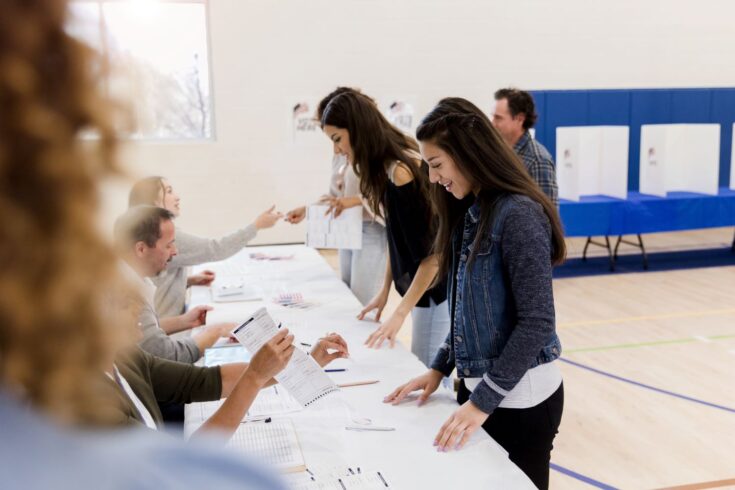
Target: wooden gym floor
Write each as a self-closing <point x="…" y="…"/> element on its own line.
<point x="649" y="373"/>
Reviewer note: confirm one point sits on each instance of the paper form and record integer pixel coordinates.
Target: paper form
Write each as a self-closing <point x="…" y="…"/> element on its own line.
<point x="303" y="377"/>
<point x="270" y="401"/>
<point x="273" y="443"/>
<point x="326" y="231"/>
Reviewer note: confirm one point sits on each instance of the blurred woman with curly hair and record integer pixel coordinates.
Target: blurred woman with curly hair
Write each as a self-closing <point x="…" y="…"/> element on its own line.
<point x="57" y="335"/>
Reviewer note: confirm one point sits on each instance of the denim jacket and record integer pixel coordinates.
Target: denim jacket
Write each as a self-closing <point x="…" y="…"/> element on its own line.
<point x="502" y="307"/>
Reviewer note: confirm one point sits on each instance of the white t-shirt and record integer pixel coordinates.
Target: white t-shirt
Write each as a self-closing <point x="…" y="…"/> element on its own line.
<point x="144" y="413"/>
<point x="535" y="386"/>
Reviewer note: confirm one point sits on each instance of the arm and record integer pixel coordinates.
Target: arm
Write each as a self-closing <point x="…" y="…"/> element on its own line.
<point x="204" y="278"/>
<point x="421" y="281"/>
<point x="542" y="170"/>
<point x="211" y="334"/>
<point x="156" y="342"/>
<point x="194" y="250"/>
<point x="526" y="251"/>
<point x="195" y="317"/>
<point x="339" y="204"/>
<point x="380" y="299"/>
<point x="270" y="359"/>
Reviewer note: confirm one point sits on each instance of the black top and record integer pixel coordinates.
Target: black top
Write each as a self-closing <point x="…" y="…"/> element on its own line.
<point x="411" y="234"/>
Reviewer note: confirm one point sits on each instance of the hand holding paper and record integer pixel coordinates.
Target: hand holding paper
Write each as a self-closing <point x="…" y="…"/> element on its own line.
<point x="272" y="357"/>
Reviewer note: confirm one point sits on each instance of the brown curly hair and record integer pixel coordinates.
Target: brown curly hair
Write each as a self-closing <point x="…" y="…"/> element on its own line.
<point x="56" y="333"/>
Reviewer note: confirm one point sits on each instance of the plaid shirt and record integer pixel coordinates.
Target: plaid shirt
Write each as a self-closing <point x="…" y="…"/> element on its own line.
<point x="539" y="164"/>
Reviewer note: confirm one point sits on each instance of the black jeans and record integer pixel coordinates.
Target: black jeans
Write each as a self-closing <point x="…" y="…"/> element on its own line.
<point x="526" y="433"/>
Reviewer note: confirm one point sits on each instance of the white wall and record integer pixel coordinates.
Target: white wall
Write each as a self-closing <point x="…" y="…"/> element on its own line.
<point x="265" y="52"/>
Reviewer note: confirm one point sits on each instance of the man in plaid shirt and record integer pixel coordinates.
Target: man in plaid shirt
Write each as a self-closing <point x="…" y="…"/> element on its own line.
<point x="515" y="114"/>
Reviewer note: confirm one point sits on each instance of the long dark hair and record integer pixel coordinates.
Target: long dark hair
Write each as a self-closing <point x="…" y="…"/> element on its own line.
<point x="459" y="128"/>
<point x="375" y="142"/>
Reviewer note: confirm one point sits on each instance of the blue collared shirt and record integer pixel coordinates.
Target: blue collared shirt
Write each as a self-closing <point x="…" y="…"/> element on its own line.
<point x="36" y="454"/>
<point x="539" y="164"/>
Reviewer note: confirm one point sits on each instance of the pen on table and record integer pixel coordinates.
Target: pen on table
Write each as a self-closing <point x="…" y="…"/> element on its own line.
<point x="382" y="479"/>
<point x="358" y="383"/>
<point x="266" y="420"/>
<point x="377" y="428"/>
<point x="341" y="370"/>
<point x="305" y="344"/>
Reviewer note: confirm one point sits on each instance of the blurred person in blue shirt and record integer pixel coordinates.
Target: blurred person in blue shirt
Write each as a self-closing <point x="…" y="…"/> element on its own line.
<point x="56" y="333"/>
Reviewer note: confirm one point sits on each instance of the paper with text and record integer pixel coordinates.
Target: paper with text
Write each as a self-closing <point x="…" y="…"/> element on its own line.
<point x="325" y="231"/>
<point x="303" y="378"/>
<point x="274" y="443"/>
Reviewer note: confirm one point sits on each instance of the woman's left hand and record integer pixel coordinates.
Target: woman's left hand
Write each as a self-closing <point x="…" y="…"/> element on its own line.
<point x="339" y="204"/>
<point x="332" y="342"/>
<point x="457" y="430"/>
<point x="388" y="330"/>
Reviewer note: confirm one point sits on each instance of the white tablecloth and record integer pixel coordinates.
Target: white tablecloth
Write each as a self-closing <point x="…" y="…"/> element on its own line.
<point x="405" y="456"/>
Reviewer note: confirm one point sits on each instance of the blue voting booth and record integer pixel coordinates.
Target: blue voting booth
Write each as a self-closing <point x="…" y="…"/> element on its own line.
<point x="604" y="216"/>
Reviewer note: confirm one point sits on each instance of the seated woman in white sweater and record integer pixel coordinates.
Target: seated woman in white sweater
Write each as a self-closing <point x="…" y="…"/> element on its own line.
<point x="171" y="285"/>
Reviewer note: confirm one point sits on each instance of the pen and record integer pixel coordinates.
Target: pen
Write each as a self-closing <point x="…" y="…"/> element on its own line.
<point x="382" y="479"/>
<point x="358" y="383"/>
<point x="334" y="370"/>
<point x="305" y="344"/>
<point x="370" y="428"/>
<point x="266" y="420"/>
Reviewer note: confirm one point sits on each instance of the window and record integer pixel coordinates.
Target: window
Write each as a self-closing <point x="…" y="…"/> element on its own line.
<point x="158" y="53"/>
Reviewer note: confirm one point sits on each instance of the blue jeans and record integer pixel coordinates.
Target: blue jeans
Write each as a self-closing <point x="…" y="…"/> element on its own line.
<point x="430" y="328"/>
<point x="364" y="270"/>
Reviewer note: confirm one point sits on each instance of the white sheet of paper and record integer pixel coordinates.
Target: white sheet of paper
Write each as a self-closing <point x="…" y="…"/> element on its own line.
<point x="326" y="231"/>
<point x="270" y="401"/>
<point x="273" y="443"/>
<point x="304" y="379"/>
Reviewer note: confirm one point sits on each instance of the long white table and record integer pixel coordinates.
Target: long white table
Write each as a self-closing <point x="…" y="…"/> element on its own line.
<point x="405" y="456"/>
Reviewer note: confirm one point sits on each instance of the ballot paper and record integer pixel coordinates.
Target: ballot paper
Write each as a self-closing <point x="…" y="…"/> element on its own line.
<point x="270" y="402"/>
<point x="303" y="378"/>
<point x="323" y="230"/>
<point x="273" y="443"/>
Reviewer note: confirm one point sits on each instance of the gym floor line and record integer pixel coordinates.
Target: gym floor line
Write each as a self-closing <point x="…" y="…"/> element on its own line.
<point x="686" y="340"/>
<point x="664" y="316"/>
<point x="647" y="386"/>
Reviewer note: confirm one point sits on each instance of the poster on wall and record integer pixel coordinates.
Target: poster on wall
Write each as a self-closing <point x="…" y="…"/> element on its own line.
<point x="305" y="128"/>
<point x="400" y="111"/>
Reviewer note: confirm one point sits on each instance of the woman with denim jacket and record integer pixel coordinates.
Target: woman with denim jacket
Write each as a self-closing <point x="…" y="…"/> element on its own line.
<point x="497" y="253"/>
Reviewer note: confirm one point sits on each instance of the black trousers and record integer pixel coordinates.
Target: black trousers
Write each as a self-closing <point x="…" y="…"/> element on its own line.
<point x="526" y="433"/>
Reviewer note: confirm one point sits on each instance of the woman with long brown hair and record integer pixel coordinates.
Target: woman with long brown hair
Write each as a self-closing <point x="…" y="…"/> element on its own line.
<point x="498" y="254"/>
<point x="394" y="184"/>
<point x="57" y="333"/>
<point x="357" y="267"/>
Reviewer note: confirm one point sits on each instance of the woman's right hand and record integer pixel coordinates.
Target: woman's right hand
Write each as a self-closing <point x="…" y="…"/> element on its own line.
<point x="428" y="382"/>
<point x="378" y="302"/>
<point x="296" y="215"/>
